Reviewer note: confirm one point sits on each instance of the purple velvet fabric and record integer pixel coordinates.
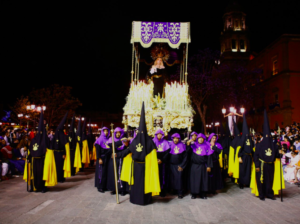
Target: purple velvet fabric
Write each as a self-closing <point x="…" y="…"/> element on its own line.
<point x="177" y="148"/>
<point x="103" y="139"/>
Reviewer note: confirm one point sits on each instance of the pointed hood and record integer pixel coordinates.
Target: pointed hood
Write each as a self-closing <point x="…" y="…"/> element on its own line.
<point x="83" y="133"/>
<point x="79" y="132"/>
<point x="267" y="149"/>
<point x="60" y="139"/>
<point x="246" y="140"/>
<point x="266" y="127"/>
<point x="236" y="141"/>
<point x="142" y="144"/>
<point x="72" y="134"/>
<point x="38" y="145"/>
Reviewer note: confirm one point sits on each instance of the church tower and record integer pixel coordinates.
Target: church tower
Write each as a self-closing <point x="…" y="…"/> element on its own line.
<point x="234" y="38"/>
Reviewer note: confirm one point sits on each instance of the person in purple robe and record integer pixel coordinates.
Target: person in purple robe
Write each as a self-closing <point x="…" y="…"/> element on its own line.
<point x="163" y="153"/>
<point x="201" y="165"/>
<point x="178" y="162"/>
<point x="103" y="156"/>
<point x="215" y="180"/>
<point x="119" y="146"/>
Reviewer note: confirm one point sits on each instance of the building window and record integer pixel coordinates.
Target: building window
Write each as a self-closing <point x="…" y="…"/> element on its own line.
<point x="275" y="67"/>
<point x="233" y="45"/>
<point x="242" y="46"/>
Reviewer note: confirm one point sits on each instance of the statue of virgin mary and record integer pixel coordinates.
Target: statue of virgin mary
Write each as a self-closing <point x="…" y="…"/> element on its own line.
<point x="157" y="73"/>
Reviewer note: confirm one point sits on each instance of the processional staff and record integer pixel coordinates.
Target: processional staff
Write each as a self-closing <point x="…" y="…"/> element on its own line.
<point x="115" y="164"/>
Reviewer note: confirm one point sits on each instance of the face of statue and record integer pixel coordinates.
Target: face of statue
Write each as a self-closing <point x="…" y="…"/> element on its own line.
<point x="159" y="136"/>
<point x="194" y="137"/>
<point x="105" y="132"/>
<point x="200" y="140"/>
<point x="158" y="62"/>
<point x="118" y="134"/>
<point x="175" y="140"/>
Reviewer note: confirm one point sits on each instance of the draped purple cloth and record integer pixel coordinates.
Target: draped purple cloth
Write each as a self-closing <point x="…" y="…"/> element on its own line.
<point x="200" y="149"/>
<point x="103" y="139"/>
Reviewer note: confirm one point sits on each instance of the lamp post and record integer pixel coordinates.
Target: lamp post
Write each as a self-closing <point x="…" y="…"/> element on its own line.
<point x="232" y="115"/>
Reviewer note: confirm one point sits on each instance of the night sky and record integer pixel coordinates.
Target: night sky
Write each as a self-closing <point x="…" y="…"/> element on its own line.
<point x="87" y="45"/>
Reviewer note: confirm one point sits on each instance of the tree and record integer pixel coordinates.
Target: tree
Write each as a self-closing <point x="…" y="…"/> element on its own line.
<point x="57" y="99"/>
<point x="201" y="81"/>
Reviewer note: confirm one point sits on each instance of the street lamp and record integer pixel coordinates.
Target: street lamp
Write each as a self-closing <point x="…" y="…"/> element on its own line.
<point x="32" y="106"/>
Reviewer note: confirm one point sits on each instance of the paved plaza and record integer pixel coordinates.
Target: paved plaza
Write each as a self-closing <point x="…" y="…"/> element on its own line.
<point x="77" y="201"/>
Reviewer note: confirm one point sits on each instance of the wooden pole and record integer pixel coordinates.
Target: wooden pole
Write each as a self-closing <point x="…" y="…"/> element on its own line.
<point x="115" y="164"/>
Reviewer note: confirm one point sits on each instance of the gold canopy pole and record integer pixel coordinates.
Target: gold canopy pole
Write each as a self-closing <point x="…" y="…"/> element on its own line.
<point x="132" y="72"/>
<point x="115" y="164"/>
<point x="186" y="61"/>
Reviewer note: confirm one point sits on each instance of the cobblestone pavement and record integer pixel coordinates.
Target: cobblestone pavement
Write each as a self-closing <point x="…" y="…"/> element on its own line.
<point x="77" y="201"/>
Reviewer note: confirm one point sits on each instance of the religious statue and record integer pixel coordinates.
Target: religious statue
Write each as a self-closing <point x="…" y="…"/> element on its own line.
<point x="157" y="73"/>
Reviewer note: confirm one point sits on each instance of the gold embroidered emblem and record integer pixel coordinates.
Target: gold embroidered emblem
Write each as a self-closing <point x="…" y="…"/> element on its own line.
<point x="160" y="149"/>
<point x="106" y="145"/>
<point x="35" y="147"/>
<point x="78" y="138"/>
<point x="199" y="150"/>
<point x="139" y="147"/>
<point x="248" y="142"/>
<point x="70" y="139"/>
<point x="176" y="150"/>
<point x="268" y="152"/>
<point x="57" y="140"/>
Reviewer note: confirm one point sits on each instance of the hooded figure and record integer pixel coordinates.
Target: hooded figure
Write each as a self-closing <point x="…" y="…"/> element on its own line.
<point x="245" y="156"/>
<point x="178" y="162"/>
<point x="163" y="150"/>
<point x="200" y="166"/>
<point x="215" y="178"/>
<point x="72" y="144"/>
<point x="77" y="159"/>
<point x="140" y="168"/>
<point x="37" y="151"/>
<point x="59" y="145"/>
<point x="234" y="147"/>
<point x="91" y="141"/>
<point x="85" y="155"/>
<point x="103" y="156"/>
<point x="119" y="146"/>
<point x="264" y="157"/>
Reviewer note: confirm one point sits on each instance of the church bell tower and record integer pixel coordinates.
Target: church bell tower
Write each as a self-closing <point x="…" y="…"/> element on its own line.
<point x="234" y="37"/>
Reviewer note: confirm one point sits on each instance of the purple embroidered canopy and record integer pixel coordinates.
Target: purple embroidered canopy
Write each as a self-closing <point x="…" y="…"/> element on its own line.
<point x="173" y="33"/>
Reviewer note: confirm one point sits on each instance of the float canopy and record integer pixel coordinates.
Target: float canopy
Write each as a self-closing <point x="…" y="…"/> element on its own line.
<point x="173" y="33"/>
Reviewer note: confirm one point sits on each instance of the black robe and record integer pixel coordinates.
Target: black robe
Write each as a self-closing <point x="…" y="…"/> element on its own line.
<point x="177" y="177"/>
<point x="163" y="169"/>
<point x="245" y="167"/>
<point x="159" y="78"/>
<point x="137" y="190"/>
<point x="265" y="189"/>
<point x="215" y="180"/>
<point x="59" y="161"/>
<point x="198" y="172"/>
<point x="122" y="186"/>
<point x="101" y="170"/>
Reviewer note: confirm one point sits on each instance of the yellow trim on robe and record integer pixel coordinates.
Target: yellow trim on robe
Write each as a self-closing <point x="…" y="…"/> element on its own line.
<point x="27" y="172"/>
<point x="236" y="168"/>
<point x="94" y="155"/>
<point x="127" y="170"/>
<point x="253" y="184"/>
<point x="77" y="159"/>
<point x="50" y="175"/>
<point x="276" y="182"/>
<point x="221" y="159"/>
<point x="152" y="184"/>
<point x="67" y="162"/>
<point x="85" y="153"/>
<point x="231" y="161"/>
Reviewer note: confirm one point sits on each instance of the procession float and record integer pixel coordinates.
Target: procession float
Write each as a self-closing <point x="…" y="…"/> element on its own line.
<point x="159" y="52"/>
